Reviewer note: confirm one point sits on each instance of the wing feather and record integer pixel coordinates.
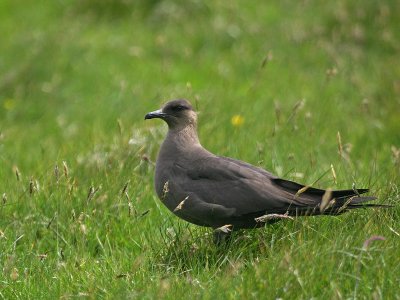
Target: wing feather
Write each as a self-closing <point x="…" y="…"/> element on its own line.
<point x="235" y="184"/>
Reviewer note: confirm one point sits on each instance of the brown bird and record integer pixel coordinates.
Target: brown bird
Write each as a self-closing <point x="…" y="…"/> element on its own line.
<point x="228" y="194"/>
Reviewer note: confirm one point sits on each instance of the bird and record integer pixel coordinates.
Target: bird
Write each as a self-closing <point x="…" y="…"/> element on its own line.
<point x="228" y="194"/>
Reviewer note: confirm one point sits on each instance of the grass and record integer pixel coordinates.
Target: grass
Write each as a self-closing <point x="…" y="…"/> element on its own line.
<point x="79" y="217"/>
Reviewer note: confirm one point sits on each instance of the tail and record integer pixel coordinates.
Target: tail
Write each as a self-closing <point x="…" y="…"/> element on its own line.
<point x="349" y="198"/>
<point x="312" y="203"/>
<point x="295" y="187"/>
<point x="355" y="202"/>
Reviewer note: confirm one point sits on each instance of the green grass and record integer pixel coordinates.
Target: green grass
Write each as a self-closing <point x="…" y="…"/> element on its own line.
<point x="76" y="79"/>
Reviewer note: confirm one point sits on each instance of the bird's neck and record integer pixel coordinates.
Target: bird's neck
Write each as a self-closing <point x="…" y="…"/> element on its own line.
<point x="180" y="144"/>
<point x="183" y="138"/>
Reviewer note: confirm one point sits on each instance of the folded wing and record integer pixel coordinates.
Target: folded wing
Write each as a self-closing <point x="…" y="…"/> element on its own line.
<point x="250" y="190"/>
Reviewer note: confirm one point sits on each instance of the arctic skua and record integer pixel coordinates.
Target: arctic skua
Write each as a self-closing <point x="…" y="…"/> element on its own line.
<point x="228" y="194"/>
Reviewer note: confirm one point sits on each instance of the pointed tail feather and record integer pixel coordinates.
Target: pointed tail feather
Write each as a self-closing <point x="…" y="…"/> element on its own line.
<point x="370" y="205"/>
<point x="339" y="206"/>
<point x="357" y="200"/>
<point x="354" y="203"/>
<point x="295" y="187"/>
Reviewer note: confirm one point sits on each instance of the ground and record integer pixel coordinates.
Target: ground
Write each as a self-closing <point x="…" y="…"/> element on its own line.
<point x="309" y="90"/>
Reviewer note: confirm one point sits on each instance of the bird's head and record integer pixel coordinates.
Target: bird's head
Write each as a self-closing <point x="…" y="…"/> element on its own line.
<point x="178" y="114"/>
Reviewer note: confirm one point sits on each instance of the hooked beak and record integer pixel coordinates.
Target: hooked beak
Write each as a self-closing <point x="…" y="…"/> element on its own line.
<point x="155" y="114"/>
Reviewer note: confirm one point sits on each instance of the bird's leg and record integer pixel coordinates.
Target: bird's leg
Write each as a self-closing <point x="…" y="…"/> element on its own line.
<point x="221" y="238"/>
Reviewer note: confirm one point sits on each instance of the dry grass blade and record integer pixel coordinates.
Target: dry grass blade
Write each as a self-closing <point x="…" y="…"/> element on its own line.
<point x="165" y="190"/>
<point x="17" y="173"/>
<point x="371" y="239"/>
<point x="120" y="127"/>
<point x="298" y="106"/>
<point x="42" y="256"/>
<point x="339" y="141"/>
<point x="31" y="186"/>
<point x="51" y="221"/>
<point x="326" y="199"/>
<point x="302" y="190"/>
<point x="344" y="206"/>
<point x="268" y="57"/>
<point x="268" y="217"/>
<point x="306" y="187"/>
<point x="355" y="189"/>
<point x="180" y="205"/>
<point x="65" y="168"/>
<point x="225" y="229"/>
<point x="334" y="174"/>
<point x="56" y="173"/>
<point x="394" y="231"/>
<point x="91" y="193"/>
<point x="131" y="208"/>
<point x="125" y="188"/>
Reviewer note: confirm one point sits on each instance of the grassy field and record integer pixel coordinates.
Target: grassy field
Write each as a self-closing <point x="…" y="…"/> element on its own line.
<point x="317" y="86"/>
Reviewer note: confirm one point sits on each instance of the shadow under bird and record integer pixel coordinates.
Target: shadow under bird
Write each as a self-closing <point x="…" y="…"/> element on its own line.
<point x="228" y="194"/>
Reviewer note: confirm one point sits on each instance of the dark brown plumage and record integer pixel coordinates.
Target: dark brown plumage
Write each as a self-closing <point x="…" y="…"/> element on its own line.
<point x="214" y="191"/>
